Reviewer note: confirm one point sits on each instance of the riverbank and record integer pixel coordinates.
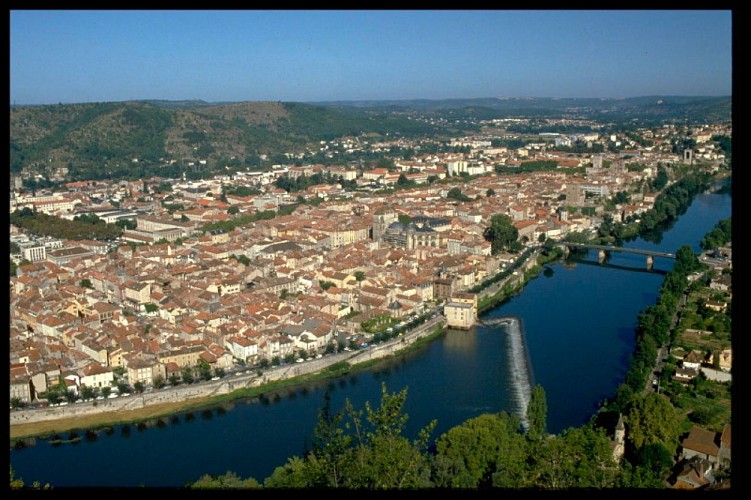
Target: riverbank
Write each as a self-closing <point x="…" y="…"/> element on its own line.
<point x="27" y="424"/>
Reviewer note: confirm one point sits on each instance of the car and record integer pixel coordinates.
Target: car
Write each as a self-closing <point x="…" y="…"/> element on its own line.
<point x="319" y="356"/>
<point x="299" y="360"/>
<point x="214" y="378"/>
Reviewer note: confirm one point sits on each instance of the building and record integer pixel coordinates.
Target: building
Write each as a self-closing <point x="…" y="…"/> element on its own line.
<point x="33" y="252"/>
<point x="619" y="442"/>
<point x="461" y="311"/>
<point x="63" y="255"/>
<point x="711" y="446"/>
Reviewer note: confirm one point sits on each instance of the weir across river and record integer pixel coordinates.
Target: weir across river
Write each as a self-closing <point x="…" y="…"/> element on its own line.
<point x="520" y="364"/>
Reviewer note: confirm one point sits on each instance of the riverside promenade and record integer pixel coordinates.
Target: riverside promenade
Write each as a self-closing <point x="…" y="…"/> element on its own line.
<point x="241" y="380"/>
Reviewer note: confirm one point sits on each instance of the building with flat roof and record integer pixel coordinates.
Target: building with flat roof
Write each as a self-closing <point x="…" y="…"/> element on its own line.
<point x="461" y="311"/>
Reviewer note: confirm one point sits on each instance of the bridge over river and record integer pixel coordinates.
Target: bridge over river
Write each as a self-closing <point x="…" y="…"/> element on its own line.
<point x="602" y="249"/>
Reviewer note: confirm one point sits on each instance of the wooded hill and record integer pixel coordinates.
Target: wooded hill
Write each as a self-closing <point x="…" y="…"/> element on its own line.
<point x="101" y="140"/>
<point x="136" y="139"/>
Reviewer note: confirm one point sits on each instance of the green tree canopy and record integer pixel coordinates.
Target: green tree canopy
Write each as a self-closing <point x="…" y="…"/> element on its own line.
<point x="456" y="194"/>
<point x="501" y="233"/>
<point x="651" y="419"/>
<point x="537" y="413"/>
<point x="483" y="449"/>
<point x="404" y="219"/>
<point x="578" y="458"/>
<point x="368" y="452"/>
<point x="229" y="480"/>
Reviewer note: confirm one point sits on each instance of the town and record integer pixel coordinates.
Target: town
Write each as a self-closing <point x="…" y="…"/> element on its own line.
<point x="183" y="287"/>
<point x="257" y="269"/>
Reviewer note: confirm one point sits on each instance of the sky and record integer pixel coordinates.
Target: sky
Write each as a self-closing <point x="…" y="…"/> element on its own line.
<point x="71" y="56"/>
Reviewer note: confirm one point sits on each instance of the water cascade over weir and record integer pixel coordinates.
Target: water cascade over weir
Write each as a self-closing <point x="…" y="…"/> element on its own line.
<point x="522" y="376"/>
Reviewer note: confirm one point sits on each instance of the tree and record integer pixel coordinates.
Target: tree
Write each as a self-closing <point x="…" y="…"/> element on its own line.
<point x="386" y="163"/>
<point x="655" y="461"/>
<point x="138" y="387"/>
<point x="293" y="474"/>
<point x="233" y="210"/>
<point x="16" y="483"/>
<point x="501" y="233"/>
<point x="54" y="398"/>
<point x="383" y="458"/>
<point x="404" y="182"/>
<point x="187" y="374"/>
<point x="652" y="420"/>
<point x="686" y="261"/>
<point x="577" y="458"/>
<point x="126" y="223"/>
<point x="229" y="480"/>
<point x="204" y="369"/>
<point x="490" y="192"/>
<point x="150" y="307"/>
<point x="359" y="276"/>
<point x="325" y="285"/>
<point x="483" y="449"/>
<point x="330" y="446"/>
<point x="537" y="413"/>
<point x="368" y="451"/>
<point x="456" y="194"/>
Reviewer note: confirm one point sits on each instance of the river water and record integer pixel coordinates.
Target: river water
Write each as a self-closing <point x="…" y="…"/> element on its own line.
<point x="578" y="332"/>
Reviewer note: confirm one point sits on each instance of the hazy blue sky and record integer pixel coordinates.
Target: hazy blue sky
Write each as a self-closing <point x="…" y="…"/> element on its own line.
<point x="262" y="55"/>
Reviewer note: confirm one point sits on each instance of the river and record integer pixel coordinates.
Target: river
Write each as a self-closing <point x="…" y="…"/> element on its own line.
<point x="578" y="326"/>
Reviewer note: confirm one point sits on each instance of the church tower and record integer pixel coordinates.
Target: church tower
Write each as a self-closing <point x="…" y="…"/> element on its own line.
<point x="619" y="446"/>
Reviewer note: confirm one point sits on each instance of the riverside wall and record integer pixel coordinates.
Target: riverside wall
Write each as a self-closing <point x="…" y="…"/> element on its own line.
<point x="121" y="405"/>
